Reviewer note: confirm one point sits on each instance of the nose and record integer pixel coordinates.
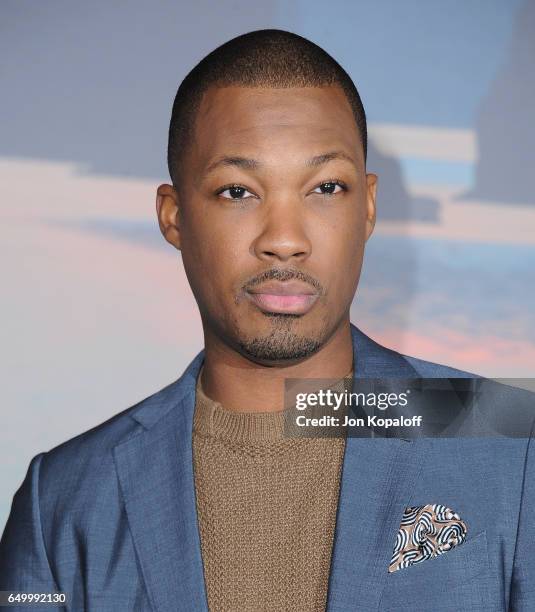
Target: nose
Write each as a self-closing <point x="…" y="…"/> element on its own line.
<point x="283" y="236"/>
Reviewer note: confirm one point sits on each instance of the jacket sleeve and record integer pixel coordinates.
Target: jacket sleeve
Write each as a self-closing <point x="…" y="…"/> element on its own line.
<point x="23" y="559"/>
<point x="523" y="580"/>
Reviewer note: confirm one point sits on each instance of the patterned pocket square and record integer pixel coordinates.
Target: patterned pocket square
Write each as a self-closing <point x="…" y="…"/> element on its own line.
<point x="425" y="532"/>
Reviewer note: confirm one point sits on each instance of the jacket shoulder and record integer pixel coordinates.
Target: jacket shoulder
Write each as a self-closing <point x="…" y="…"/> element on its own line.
<point x="91" y="450"/>
<point x="429" y="369"/>
<point x="380" y="360"/>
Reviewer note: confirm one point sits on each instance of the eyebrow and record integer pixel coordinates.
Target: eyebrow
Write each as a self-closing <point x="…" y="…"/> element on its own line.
<point x="247" y="163"/>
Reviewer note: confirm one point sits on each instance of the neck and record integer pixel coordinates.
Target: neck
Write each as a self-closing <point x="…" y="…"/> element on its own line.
<point x="239" y="384"/>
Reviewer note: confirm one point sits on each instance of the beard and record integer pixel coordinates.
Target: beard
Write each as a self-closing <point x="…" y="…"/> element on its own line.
<point x="281" y="343"/>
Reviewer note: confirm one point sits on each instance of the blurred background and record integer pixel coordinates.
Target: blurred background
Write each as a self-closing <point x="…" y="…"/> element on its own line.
<point x="90" y="286"/>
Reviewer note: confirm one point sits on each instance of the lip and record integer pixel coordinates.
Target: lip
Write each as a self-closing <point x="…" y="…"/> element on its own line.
<point x="287" y="297"/>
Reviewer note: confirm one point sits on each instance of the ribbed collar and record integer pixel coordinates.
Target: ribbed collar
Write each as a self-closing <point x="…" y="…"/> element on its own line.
<point x="212" y="419"/>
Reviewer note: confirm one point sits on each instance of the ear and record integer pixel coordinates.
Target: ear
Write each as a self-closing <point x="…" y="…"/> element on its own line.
<point x="167" y="209"/>
<point x="371" y="193"/>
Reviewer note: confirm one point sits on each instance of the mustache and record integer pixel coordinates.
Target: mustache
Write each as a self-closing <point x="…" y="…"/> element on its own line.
<point x="284" y="274"/>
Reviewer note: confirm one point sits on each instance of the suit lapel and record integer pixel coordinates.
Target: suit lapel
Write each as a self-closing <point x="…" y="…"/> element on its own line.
<point x="155" y="471"/>
<point x="378" y="477"/>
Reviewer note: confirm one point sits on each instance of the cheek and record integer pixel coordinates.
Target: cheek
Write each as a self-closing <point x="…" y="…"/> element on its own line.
<point x="340" y="248"/>
<point x="343" y="234"/>
<point x="353" y="234"/>
<point x="215" y="252"/>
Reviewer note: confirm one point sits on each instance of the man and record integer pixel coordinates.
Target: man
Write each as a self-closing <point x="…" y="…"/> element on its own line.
<point x="195" y="499"/>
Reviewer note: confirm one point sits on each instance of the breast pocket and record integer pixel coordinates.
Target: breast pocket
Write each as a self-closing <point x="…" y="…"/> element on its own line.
<point x="452" y="582"/>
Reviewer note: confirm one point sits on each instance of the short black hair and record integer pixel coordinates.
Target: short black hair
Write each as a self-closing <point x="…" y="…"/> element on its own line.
<point x="262" y="58"/>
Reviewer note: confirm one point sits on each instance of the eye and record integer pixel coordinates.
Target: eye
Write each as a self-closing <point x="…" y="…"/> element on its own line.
<point x="235" y="192"/>
<point x="330" y="187"/>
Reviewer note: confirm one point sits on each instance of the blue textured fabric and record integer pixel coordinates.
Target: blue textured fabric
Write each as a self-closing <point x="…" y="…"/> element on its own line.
<point x="109" y="516"/>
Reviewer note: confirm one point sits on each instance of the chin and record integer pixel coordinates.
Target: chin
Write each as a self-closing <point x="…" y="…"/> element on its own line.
<point x="283" y="343"/>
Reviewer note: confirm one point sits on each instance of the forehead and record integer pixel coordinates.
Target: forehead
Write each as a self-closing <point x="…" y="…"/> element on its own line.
<point x="274" y="122"/>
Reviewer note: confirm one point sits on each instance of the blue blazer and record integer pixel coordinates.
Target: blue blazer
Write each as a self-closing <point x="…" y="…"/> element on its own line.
<point x="109" y="517"/>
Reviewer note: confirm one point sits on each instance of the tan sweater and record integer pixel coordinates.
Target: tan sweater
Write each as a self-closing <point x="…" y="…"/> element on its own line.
<point x="266" y="506"/>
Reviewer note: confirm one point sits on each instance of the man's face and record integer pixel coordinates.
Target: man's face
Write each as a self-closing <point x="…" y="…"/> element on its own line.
<point x="271" y="215"/>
